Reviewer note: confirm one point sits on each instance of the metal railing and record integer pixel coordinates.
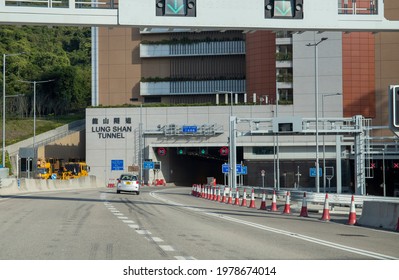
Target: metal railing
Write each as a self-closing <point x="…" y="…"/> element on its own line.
<point x="296" y="195"/>
<point x="78" y="4"/>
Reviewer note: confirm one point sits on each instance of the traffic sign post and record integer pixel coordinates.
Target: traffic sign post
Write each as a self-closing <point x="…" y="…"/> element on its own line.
<point x="263" y="174"/>
<point x="148" y="165"/>
<point x="117" y="165"/>
<point x="225" y="168"/>
<point x="312" y="172"/>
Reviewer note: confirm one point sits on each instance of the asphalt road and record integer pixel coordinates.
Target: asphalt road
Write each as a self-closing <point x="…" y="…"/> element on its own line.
<point x="169" y="224"/>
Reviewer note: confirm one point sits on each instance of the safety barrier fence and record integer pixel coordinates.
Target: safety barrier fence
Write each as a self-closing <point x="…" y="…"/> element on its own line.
<point x="375" y="212"/>
<point x="312" y="197"/>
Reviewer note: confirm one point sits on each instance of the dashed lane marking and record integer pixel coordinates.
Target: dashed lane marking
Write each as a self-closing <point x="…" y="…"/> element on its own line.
<point x="141" y="231"/>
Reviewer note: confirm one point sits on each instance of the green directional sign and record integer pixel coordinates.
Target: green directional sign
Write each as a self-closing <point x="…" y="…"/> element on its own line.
<point x="182" y="8"/>
<point x="175" y="7"/>
<point x="284" y="9"/>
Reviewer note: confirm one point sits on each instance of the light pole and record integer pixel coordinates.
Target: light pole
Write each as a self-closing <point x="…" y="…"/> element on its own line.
<point x="231" y="153"/>
<point x="4" y="104"/>
<point x="317" y="108"/>
<point x="34" y="109"/>
<point x="324" y="145"/>
<point x="383" y="170"/>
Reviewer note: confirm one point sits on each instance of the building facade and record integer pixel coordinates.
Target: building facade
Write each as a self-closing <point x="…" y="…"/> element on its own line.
<point x="351" y="72"/>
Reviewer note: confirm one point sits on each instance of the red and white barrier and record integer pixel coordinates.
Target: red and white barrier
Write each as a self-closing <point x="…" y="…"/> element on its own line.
<point x="111" y="183"/>
<point x="217" y="196"/>
<point x="263" y="204"/>
<point x="244" y="198"/>
<point x="224" y="195"/>
<point x="237" y="199"/>
<point x="287" y="207"/>
<point x="326" y="210"/>
<point x="274" y="203"/>
<point x="352" y="212"/>
<point x="230" y="200"/>
<point x="304" y="209"/>
<point x="252" y="202"/>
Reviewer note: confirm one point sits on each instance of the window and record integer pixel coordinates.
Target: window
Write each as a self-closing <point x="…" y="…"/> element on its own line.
<point x="263" y="150"/>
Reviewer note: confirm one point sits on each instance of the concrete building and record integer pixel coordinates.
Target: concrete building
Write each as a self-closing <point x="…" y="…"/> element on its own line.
<point x="252" y="69"/>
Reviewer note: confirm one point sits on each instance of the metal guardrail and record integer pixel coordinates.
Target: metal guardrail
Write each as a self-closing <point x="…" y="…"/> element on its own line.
<point x="312" y="197"/>
<point x="78" y="4"/>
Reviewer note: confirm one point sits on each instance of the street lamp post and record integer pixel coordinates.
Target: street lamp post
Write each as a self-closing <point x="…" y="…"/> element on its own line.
<point x="383" y="170"/>
<point x="34" y="110"/>
<point x="317" y="109"/>
<point x="324" y="145"/>
<point x="4" y="104"/>
<point x="231" y="153"/>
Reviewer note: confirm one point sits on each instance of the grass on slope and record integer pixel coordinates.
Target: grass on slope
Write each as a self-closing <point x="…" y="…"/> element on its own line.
<point x="21" y="129"/>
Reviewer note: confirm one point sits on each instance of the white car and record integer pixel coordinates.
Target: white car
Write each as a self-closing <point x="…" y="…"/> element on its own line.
<point x="128" y="183"/>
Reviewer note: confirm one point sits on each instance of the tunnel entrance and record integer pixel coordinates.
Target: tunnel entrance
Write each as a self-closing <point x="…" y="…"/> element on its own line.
<point x="192" y="165"/>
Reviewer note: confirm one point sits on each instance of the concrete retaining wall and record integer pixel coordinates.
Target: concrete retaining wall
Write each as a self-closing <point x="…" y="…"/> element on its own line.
<point x="18" y="186"/>
<point x="380" y="214"/>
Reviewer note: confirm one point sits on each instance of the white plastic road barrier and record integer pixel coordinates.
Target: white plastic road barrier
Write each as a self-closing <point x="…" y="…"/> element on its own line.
<point x="379" y="214"/>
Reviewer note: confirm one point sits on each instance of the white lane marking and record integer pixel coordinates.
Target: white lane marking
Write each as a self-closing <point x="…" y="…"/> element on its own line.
<point x="143" y="231"/>
<point x="131" y="224"/>
<point x="283" y="232"/>
<point x="183" y="258"/>
<point x="157" y="239"/>
<point x="128" y="221"/>
<point x="167" y="248"/>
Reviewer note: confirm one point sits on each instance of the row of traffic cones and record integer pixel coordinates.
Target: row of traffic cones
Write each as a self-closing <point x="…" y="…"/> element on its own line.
<point x="304" y="208"/>
<point x="213" y="193"/>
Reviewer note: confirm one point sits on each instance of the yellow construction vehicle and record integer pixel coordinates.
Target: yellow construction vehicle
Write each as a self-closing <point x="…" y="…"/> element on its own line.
<point x="44" y="170"/>
<point x="73" y="170"/>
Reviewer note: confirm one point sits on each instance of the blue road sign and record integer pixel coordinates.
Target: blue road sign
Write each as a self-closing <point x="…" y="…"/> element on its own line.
<point x="189" y="129"/>
<point x="225" y="168"/>
<point x="148" y="165"/>
<point x="244" y="170"/>
<point x="53" y="176"/>
<point x="312" y="172"/>
<point x="238" y="168"/>
<point x="117" y="164"/>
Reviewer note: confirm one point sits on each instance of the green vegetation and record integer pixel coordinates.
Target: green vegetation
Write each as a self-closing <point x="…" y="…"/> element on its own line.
<point x="59" y="54"/>
<point x="20" y="129"/>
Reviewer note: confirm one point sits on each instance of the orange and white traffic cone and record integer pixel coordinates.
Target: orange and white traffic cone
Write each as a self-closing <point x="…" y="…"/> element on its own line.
<point x="217" y="197"/>
<point x="237" y="199"/>
<point x="352" y="212"/>
<point x="326" y="210"/>
<point x="274" y="203"/>
<point x="210" y="193"/>
<point x="203" y="191"/>
<point x="230" y="199"/>
<point x="224" y="196"/>
<point x="252" y="202"/>
<point x="304" y="209"/>
<point x="263" y="204"/>
<point x="287" y="207"/>
<point x="244" y="198"/>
